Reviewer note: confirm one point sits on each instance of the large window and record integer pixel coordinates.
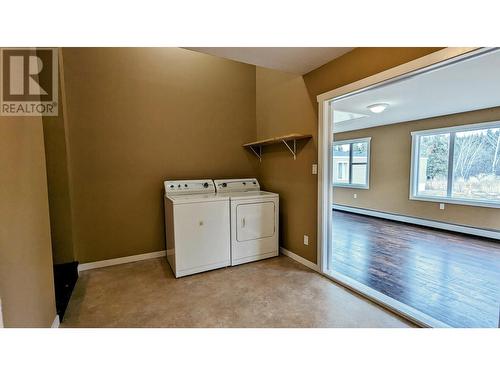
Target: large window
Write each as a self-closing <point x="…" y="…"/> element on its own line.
<point x="457" y="165"/>
<point x="351" y="163"/>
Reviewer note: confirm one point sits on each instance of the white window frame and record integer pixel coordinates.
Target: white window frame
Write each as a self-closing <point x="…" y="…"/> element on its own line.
<point x="452" y="130"/>
<point x="350" y="164"/>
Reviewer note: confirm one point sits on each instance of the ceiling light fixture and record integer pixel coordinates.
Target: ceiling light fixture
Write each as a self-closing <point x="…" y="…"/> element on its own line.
<point x="378" y="107"/>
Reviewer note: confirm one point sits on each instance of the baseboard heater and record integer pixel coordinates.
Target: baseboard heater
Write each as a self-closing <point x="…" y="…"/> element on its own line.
<point x="493" y="234"/>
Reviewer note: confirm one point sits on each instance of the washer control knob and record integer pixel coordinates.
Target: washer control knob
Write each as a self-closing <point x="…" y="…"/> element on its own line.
<point x="254" y="183"/>
<point x="244" y="183"/>
<point x="224" y="184"/>
<point x="185" y="185"/>
<point x="205" y="185"/>
<point x="179" y="185"/>
<point x="171" y="186"/>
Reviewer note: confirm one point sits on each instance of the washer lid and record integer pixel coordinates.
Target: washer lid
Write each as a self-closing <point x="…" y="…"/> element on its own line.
<point x="195" y="198"/>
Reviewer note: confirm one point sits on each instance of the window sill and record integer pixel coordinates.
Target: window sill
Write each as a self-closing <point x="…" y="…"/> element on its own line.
<point x="365" y="187"/>
<point x="462" y="202"/>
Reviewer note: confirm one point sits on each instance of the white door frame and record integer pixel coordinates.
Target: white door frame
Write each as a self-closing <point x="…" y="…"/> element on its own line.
<point x="325" y="139"/>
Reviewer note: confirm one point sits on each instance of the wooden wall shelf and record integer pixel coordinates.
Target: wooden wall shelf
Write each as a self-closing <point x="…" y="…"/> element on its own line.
<point x="256" y="146"/>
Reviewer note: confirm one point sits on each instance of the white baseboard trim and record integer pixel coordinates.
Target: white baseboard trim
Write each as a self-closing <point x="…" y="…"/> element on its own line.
<point x="122" y="260"/>
<point x="1" y="315"/>
<point x="424" y="222"/>
<point x="299" y="259"/>
<point x="56" y="322"/>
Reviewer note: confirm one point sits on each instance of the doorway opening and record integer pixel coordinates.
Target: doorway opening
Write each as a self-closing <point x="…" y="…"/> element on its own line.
<point x="410" y="188"/>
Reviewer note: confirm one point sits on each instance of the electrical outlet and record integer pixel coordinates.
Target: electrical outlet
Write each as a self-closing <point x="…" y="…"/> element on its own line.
<point x="315" y="169"/>
<point x="441" y="206"/>
<point x="306" y="240"/>
<point x="355" y="196"/>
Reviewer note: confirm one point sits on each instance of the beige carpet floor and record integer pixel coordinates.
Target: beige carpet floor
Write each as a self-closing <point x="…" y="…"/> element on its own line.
<point x="277" y="292"/>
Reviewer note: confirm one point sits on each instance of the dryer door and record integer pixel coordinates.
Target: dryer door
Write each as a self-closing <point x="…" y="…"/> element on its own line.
<point x="255" y="221"/>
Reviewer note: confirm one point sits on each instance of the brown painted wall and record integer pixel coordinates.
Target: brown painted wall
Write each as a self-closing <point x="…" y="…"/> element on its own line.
<point x="283" y="107"/>
<point x="56" y="156"/>
<point x="132" y="113"/>
<point x="390" y="173"/>
<point x="26" y="279"/>
<point x="137" y="117"/>
<point x="358" y="64"/>
<point x="294" y="109"/>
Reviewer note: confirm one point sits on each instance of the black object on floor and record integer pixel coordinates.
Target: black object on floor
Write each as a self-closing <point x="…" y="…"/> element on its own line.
<point x="65" y="277"/>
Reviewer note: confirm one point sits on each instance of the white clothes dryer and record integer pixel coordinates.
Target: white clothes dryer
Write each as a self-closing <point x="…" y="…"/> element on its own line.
<point x="254" y="219"/>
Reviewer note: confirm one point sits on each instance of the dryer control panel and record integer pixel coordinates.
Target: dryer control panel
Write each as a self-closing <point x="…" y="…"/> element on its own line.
<point x="173" y="187"/>
<point x="237" y="185"/>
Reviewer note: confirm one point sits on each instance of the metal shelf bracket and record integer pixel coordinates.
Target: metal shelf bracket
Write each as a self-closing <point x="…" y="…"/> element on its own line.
<point x="294" y="151"/>
<point x="258" y="154"/>
<point x="287" y="140"/>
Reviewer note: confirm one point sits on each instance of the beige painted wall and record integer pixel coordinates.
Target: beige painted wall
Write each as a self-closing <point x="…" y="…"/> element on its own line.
<point x="390" y="173"/>
<point x="283" y="107"/>
<point x="137" y="117"/>
<point x="26" y="278"/>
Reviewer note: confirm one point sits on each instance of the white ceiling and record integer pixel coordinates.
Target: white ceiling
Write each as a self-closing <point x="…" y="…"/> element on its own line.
<point x="300" y="60"/>
<point x="464" y="86"/>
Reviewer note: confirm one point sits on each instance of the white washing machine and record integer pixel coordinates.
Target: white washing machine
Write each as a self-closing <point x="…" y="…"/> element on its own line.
<point x="254" y="219"/>
<point x="197" y="226"/>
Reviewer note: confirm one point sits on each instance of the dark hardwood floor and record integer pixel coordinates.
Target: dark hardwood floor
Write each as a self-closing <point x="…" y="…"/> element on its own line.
<point x="454" y="278"/>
